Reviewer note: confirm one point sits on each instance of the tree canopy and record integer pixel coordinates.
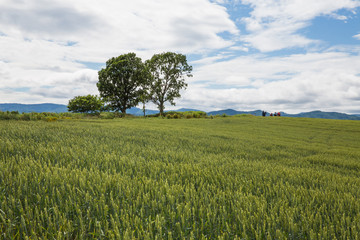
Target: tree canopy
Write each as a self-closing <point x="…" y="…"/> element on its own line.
<point x="168" y="71"/>
<point x="120" y="82"/>
<point x="85" y="104"/>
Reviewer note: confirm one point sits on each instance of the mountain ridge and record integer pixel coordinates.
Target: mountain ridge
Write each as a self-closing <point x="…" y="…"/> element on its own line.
<point x="58" y="108"/>
<point x="26" y="108"/>
<point x="311" y="114"/>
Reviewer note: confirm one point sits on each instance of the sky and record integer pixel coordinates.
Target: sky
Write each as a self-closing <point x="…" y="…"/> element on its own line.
<point x="274" y="55"/>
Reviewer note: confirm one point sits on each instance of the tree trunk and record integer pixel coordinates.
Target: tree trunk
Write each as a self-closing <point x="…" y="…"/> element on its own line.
<point x="144" y="108"/>
<point x="161" y="108"/>
<point x="123" y="112"/>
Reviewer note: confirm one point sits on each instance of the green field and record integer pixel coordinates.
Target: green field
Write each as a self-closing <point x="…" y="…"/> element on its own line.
<point x="222" y="178"/>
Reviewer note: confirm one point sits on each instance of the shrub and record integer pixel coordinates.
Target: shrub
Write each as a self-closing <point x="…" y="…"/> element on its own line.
<point x="36" y="116"/>
<point x="86" y="104"/>
<point x="51" y="119"/>
<point x="67" y="118"/>
<point x="67" y="114"/>
<point x="25" y="117"/>
<point x="107" y="115"/>
<point x="14" y="115"/>
<point x="4" y="116"/>
<point x="196" y="115"/>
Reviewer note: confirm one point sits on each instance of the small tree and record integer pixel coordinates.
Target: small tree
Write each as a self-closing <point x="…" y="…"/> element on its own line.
<point x="168" y="72"/>
<point x="120" y="82"/>
<point x="85" y="104"/>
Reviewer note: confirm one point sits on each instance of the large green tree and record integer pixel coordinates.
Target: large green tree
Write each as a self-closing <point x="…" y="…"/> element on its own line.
<point x="86" y="104"/>
<point x="120" y="82"/>
<point x="168" y="71"/>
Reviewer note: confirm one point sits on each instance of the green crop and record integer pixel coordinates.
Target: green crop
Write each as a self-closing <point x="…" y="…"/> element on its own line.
<point x="222" y="178"/>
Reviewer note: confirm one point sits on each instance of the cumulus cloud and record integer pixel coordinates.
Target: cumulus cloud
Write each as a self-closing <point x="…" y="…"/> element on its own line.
<point x="49" y="21"/>
<point x="274" y="25"/>
<point x="326" y="81"/>
<point x="46" y="45"/>
<point x="44" y="42"/>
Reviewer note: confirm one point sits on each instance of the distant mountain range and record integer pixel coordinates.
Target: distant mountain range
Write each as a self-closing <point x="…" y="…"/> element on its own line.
<point x="58" y="108"/>
<point x="26" y="108"/>
<point x="232" y="112"/>
<point x="313" y="114"/>
<point x="325" y="115"/>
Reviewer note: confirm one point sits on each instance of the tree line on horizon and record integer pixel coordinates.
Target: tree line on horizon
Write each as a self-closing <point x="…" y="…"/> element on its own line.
<point x="127" y="80"/>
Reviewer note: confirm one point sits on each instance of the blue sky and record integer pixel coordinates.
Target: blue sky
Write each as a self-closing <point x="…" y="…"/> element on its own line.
<point x="275" y="55"/>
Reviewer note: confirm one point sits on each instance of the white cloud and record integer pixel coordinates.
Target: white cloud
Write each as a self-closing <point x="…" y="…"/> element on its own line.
<point x="302" y="82"/>
<point x="43" y="42"/>
<point x="239" y="48"/>
<point x="339" y="17"/>
<point x="274" y="24"/>
<point x="185" y="25"/>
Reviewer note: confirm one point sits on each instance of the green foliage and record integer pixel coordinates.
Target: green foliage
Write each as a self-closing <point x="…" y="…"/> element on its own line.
<point x="168" y="71"/>
<point x="173" y="115"/>
<point x="178" y="115"/>
<point x="120" y="83"/>
<point x="34" y="116"/>
<point x="244" y="115"/>
<point x="25" y="116"/>
<point x="194" y="114"/>
<point x="51" y="119"/>
<point x="107" y="115"/>
<point x="86" y="104"/>
<point x="225" y="178"/>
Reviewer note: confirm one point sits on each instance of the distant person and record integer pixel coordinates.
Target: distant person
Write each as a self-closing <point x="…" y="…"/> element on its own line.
<point x="278" y="114"/>
<point x="271" y="114"/>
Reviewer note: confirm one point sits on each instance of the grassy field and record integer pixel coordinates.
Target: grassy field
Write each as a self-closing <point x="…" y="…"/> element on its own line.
<point x="223" y="178"/>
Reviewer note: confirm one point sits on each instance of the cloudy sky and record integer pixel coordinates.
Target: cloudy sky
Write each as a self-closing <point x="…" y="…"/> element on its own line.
<point x="276" y="55"/>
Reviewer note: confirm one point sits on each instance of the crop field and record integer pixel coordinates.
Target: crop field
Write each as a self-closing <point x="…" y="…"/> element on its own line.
<point x="222" y="178"/>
